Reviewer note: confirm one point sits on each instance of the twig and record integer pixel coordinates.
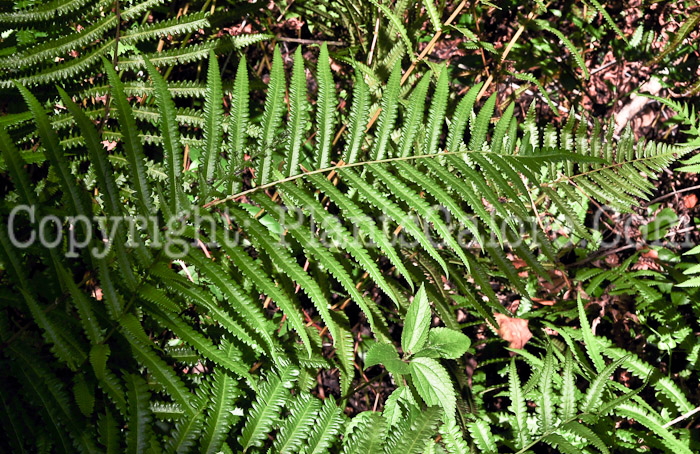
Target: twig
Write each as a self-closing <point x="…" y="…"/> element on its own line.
<point x="671" y="194"/>
<point x="310" y="41"/>
<point x="681" y="417"/>
<point x="507" y="50"/>
<point x="433" y="41"/>
<point x="374" y="42"/>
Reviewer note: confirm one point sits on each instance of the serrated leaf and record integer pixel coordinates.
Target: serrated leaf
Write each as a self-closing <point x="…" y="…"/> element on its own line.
<point x="417" y="323"/>
<point x="433" y="384"/>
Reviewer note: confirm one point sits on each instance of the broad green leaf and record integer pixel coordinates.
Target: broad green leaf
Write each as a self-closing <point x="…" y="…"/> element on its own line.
<point x="386" y="355"/>
<point x="445" y="343"/>
<point x="417" y="323"/>
<point x="433" y="384"/>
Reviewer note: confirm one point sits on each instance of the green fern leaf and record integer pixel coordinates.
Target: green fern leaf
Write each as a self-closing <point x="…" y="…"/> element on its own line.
<point x="482" y="436"/>
<point x="326" y="429"/>
<point x="219" y="416"/>
<point x="213" y="111"/>
<point x="455" y="136"/>
<point x="415" y="112"/>
<point x="366" y="225"/>
<point x="436" y="115"/>
<point x="132" y="144"/>
<point x="295" y="430"/>
<point x="272" y="395"/>
<point x="274" y="106"/>
<point x="238" y="130"/>
<point x="325" y="110"/>
<point x="518" y="407"/>
<point x="595" y="391"/>
<point x="358" y="120"/>
<point x="390" y="104"/>
<point x="139" y="417"/>
<point x="650" y="421"/>
<point x="298" y="116"/>
<point x="171" y="137"/>
<point x="264" y="242"/>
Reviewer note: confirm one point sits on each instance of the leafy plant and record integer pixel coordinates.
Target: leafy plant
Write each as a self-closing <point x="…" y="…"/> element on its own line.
<point x="204" y="326"/>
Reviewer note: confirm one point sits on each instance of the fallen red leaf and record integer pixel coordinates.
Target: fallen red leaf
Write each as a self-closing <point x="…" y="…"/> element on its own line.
<point x="513" y="330"/>
<point x="690" y="201"/>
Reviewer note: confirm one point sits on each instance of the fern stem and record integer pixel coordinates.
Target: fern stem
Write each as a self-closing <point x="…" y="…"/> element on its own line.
<point x="328" y="169"/>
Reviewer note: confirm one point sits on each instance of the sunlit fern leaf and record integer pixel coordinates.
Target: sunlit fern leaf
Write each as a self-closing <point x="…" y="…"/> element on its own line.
<point x="567" y="43"/>
<point x="254" y="271"/>
<point x="366" y="432"/>
<point x="298" y="116"/>
<point x="479" y="127"/>
<point x="482" y="436"/>
<point x="171" y="138"/>
<point x="249" y="310"/>
<point x="567" y="404"/>
<point x="587" y="434"/>
<point x="206" y="302"/>
<point x="224" y="393"/>
<point x="238" y="131"/>
<point x="272" y="117"/>
<point x="343" y="238"/>
<point x="651" y="422"/>
<point x="387" y="116"/>
<point x="156" y="366"/>
<point x="264" y="242"/>
<point x="359" y="113"/>
<point x="460" y="118"/>
<point x="367" y="226"/>
<point x="201" y="343"/>
<point x="295" y="429"/>
<point x="518" y="407"/>
<point x="452" y="438"/>
<point x="272" y="395"/>
<point x="326" y="428"/>
<point x="132" y="145"/>
<point x="413" y="434"/>
<point x="396" y="22"/>
<point x="213" y="111"/>
<point x="392" y="210"/>
<point x="325" y="110"/>
<point x="414" y="116"/>
<point x="42" y="12"/>
<point x="436" y="114"/>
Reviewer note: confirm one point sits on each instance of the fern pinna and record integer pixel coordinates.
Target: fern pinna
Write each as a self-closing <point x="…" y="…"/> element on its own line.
<point x="252" y="256"/>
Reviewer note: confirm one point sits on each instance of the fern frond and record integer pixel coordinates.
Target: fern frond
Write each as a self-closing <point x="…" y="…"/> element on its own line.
<point x="272" y="116"/>
<point x="213" y="110"/>
<point x="298" y="116"/>
<point x="327" y="427"/>
<point x="238" y="131"/>
<point x="325" y="110"/>
<point x="171" y="138"/>
<point x="390" y="105"/>
<point x="139" y="414"/>
<point x="272" y="395"/>
<point x="219" y="417"/>
<point x="132" y="144"/>
<point x="482" y="436"/>
<point x="296" y="428"/>
<point x="651" y="422"/>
